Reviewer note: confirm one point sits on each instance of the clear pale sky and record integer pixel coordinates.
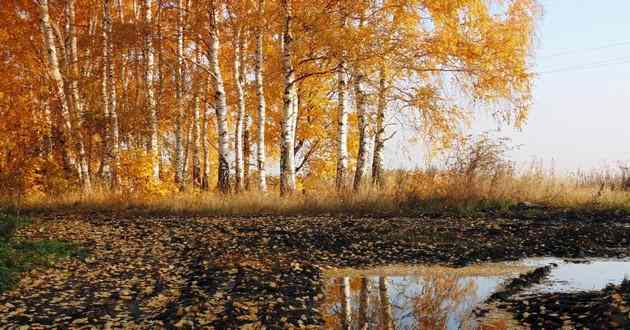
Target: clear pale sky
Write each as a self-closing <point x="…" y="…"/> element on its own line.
<point x="580" y="119"/>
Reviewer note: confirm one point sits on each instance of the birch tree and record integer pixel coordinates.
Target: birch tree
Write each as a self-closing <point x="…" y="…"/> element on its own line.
<point x="260" y="95"/>
<point x="386" y="307"/>
<point x="342" y="120"/>
<point x="378" y="175"/>
<point x="362" y="121"/>
<point x="109" y="100"/>
<point x="69" y="126"/>
<point x="55" y="74"/>
<point x="346" y="304"/>
<point x="151" y="99"/>
<point x="205" y="173"/>
<point x="289" y="106"/>
<point x="239" y="82"/>
<point x="247" y="151"/>
<point x="364" y="294"/>
<point x="220" y="106"/>
<point x="196" y="137"/>
<point x="179" y="91"/>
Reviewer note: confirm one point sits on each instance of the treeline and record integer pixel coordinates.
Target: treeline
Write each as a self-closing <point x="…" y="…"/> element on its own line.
<point x="136" y="95"/>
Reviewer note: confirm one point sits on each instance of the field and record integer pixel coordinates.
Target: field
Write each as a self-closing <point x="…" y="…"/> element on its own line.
<point x="191" y="271"/>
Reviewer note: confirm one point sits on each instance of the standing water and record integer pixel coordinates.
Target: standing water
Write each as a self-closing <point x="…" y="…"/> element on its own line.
<point x="434" y="297"/>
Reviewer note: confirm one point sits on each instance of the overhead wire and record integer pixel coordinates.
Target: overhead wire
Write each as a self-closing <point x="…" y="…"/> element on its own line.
<point x="587" y="66"/>
<point x="586" y="50"/>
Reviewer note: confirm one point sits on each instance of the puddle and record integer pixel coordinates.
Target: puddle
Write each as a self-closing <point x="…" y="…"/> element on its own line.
<point x="579" y="275"/>
<point x="411" y="297"/>
<point x="433" y="297"/>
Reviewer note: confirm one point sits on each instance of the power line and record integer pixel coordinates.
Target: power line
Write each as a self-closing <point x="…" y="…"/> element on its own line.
<point x="586" y="50"/>
<point x="587" y="66"/>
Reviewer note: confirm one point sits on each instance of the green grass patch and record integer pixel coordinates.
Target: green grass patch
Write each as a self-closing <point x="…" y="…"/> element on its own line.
<point x="18" y="255"/>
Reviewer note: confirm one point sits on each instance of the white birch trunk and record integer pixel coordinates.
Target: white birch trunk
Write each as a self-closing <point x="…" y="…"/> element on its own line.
<point x="240" y="112"/>
<point x="150" y="80"/>
<point x="363" y="304"/>
<point x="219" y="101"/>
<point x="196" y="140"/>
<point x="260" y="94"/>
<point x="72" y="83"/>
<point x="378" y="172"/>
<point x="346" y="304"/>
<point x="67" y="126"/>
<point x="386" y="306"/>
<point x="247" y="151"/>
<point x="106" y="24"/>
<point x="342" y="124"/>
<point x="187" y="144"/>
<point x="179" y="95"/>
<point x="287" y="139"/>
<point x="205" y="176"/>
<point x="109" y="100"/>
<point x="73" y="56"/>
<point x="362" y="155"/>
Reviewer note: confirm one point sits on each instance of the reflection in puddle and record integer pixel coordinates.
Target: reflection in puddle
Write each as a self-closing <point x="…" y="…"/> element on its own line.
<point x="444" y="298"/>
<point x="440" y="298"/>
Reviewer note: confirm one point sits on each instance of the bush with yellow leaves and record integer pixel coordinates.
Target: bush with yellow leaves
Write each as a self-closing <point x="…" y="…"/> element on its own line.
<point x="135" y="175"/>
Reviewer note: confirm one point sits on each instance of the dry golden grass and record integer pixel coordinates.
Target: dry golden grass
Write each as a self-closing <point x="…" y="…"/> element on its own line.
<point x="407" y="192"/>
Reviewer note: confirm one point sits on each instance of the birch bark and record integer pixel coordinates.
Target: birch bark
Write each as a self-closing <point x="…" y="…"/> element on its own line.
<point x="70" y="131"/>
<point x="386" y="306"/>
<point x="362" y="155"/>
<point x="196" y="140"/>
<point x="110" y="100"/>
<point x="346" y="304"/>
<point x="363" y="304"/>
<point x="219" y="100"/>
<point x="247" y="151"/>
<point x="179" y="94"/>
<point x="287" y="140"/>
<point x="260" y="94"/>
<point x="150" y="80"/>
<point x="342" y="123"/>
<point x="240" y="112"/>
<point x="378" y="178"/>
<point x="205" y="176"/>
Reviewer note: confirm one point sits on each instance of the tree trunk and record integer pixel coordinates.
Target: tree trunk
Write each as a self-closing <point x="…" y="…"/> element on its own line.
<point x="260" y="94"/>
<point x="150" y="78"/>
<point x="124" y="95"/>
<point x="240" y="113"/>
<point x="362" y="156"/>
<point x="342" y="125"/>
<point x="196" y="140"/>
<point x="386" y="307"/>
<point x="109" y="101"/>
<point x="187" y="144"/>
<point x="70" y="59"/>
<point x="346" y="305"/>
<point x="378" y="172"/>
<point x="73" y="56"/>
<point x="179" y="94"/>
<point x="247" y="151"/>
<point x="219" y="101"/>
<point x="205" y="176"/>
<point x="363" y="304"/>
<point x="287" y="139"/>
<point x="70" y="131"/>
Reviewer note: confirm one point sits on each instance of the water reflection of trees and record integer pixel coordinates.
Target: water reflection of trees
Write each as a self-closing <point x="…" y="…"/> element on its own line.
<point x="431" y="302"/>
